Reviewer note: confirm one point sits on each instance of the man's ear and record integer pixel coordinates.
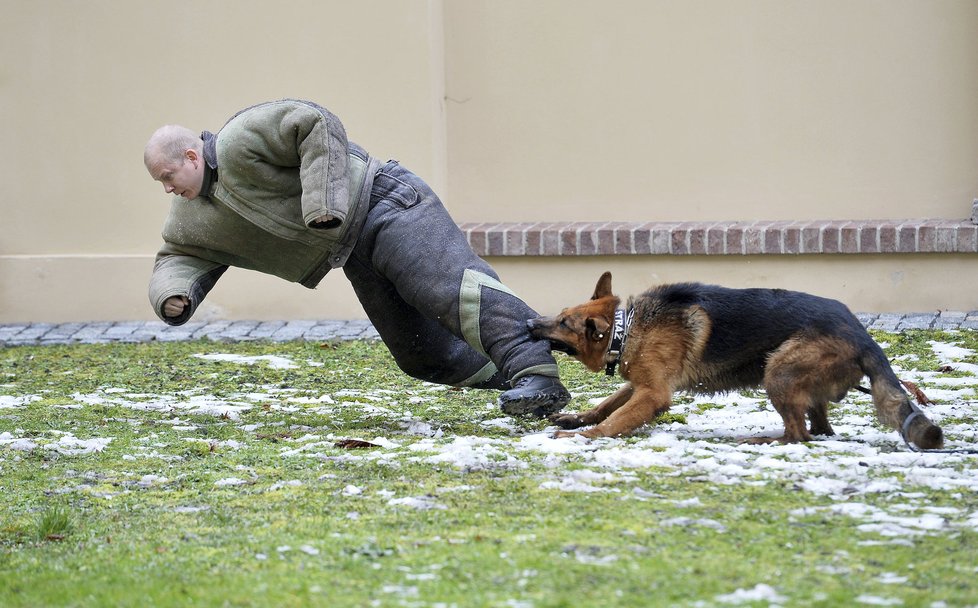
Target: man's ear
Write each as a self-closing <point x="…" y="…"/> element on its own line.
<point x="191" y="155"/>
<point x="597" y="328"/>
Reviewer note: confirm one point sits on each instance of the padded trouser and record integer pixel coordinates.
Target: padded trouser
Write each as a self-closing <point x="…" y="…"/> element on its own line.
<point x="438" y="307"/>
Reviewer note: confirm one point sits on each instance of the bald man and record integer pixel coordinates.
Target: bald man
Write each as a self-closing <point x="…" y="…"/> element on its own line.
<point x="280" y="190"/>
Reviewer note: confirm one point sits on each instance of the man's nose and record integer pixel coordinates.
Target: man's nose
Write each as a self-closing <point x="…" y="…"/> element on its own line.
<point x="168" y="188"/>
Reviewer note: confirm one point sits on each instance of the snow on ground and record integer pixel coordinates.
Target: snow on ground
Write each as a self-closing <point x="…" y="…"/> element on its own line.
<point x="862" y="460"/>
<point x="273" y="361"/>
<point x="11" y="401"/>
<point x="757" y="594"/>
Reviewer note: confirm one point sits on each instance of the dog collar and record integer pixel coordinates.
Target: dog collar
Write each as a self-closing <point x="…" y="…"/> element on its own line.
<point x="623" y="320"/>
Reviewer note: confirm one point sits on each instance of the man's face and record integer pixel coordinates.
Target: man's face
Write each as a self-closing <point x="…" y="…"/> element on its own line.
<point x="183" y="178"/>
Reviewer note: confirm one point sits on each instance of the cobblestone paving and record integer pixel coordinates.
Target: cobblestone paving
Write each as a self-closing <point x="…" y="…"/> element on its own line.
<point x="282" y="331"/>
<point x="149" y="331"/>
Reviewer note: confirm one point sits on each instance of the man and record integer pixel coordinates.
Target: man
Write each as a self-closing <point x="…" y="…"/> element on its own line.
<point x="280" y="189"/>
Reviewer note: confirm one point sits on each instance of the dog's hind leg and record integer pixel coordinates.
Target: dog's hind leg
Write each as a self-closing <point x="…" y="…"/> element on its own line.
<point x="573" y="420"/>
<point x="818" y="417"/>
<point x="802" y="376"/>
<point x="792" y="406"/>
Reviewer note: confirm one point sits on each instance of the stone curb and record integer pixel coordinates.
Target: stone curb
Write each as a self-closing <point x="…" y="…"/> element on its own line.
<point x="325" y="330"/>
<point x="157" y="331"/>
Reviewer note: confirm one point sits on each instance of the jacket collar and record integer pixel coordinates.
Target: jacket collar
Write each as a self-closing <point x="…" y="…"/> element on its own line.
<point x="210" y="163"/>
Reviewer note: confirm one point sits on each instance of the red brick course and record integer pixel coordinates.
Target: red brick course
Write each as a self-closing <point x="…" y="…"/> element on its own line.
<point x="723" y="238"/>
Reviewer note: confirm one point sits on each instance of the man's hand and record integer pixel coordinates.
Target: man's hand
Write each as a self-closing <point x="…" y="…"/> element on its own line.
<point x="173" y="307"/>
<point x="324" y="221"/>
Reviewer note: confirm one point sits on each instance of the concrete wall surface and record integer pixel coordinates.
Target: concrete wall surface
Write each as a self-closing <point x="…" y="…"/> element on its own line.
<point x="552" y="110"/>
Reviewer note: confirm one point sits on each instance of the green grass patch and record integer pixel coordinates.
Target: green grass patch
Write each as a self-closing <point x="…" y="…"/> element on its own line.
<point x="147" y="475"/>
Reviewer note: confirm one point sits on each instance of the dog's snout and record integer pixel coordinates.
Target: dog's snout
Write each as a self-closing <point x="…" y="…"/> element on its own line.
<point x="534" y="326"/>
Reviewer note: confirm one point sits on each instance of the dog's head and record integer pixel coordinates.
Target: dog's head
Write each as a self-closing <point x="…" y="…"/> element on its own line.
<point x="582" y="331"/>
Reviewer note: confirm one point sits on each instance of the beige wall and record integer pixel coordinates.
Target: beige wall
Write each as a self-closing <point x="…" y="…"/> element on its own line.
<point x="713" y="110"/>
<point x="513" y="110"/>
<point x="865" y="283"/>
<point x="84" y="84"/>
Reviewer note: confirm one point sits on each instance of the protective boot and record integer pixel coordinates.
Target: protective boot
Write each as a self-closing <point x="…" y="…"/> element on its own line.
<point x="534" y="395"/>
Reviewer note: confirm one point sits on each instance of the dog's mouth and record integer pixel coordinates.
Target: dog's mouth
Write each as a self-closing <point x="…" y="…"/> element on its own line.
<point x="562" y="347"/>
<point x="539" y="328"/>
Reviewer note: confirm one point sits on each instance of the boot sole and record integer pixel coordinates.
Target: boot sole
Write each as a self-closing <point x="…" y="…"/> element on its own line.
<point x="540" y="406"/>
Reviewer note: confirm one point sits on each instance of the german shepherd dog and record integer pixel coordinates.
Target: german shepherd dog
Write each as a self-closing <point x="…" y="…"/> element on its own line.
<point x="804" y="350"/>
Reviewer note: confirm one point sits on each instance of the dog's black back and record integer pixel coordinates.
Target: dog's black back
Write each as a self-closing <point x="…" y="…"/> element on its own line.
<point x="746" y="326"/>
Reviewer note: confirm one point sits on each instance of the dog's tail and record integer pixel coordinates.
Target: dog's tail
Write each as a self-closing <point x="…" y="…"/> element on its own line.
<point x="893" y="406"/>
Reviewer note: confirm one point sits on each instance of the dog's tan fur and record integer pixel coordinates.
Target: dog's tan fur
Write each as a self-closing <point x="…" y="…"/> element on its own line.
<point x="804" y="350"/>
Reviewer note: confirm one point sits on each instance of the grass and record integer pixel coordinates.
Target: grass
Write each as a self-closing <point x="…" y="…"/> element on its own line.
<point x="219" y="484"/>
<point x="53" y="524"/>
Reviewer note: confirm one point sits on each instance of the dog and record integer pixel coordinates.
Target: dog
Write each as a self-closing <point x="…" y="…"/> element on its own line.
<point x="804" y="350"/>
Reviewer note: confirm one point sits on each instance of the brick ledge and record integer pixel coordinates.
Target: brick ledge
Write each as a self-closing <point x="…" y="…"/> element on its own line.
<point x="722" y="238"/>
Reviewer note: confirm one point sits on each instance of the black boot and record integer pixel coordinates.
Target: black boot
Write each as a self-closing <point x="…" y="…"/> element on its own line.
<point x="496" y="382"/>
<point x="534" y="395"/>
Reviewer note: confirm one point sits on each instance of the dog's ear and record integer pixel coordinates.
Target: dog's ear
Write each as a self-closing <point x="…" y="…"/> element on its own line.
<point x="597" y="328"/>
<point x="603" y="288"/>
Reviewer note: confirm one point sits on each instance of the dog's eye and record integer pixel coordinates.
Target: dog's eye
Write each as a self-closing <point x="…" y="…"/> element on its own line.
<point x="563" y="323"/>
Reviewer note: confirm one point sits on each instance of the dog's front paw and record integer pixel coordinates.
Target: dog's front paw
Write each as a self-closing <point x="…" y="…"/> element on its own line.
<point x="562" y="434"/>
<point x="567" y="421"/>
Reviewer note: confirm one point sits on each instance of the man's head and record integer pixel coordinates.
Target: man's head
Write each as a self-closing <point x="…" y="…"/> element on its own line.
<point x="174" y="156"/>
